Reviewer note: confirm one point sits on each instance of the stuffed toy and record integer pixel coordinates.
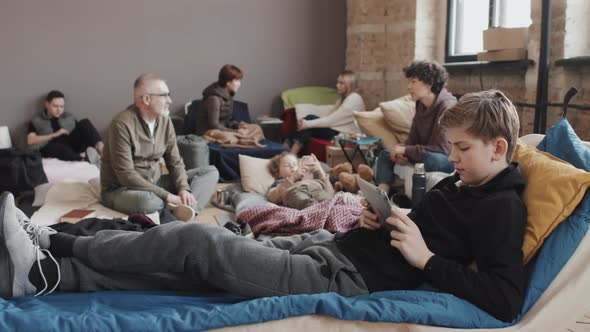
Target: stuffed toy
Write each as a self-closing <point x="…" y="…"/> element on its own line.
<point x="347" y="180"/>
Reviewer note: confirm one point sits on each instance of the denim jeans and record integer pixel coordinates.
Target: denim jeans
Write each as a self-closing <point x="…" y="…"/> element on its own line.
<point x="433" y="162"/>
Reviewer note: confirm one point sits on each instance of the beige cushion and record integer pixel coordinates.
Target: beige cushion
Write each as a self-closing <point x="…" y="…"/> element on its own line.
<point x="373" y="124"/>
<point x="255" y="174"/>
<point x="399" y="113"/>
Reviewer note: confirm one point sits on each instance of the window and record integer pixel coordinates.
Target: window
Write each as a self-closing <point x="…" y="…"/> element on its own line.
<point x="467" y="19"/>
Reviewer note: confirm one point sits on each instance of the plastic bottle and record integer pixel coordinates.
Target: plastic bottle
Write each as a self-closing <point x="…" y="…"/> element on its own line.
<point x="418" y="184"/>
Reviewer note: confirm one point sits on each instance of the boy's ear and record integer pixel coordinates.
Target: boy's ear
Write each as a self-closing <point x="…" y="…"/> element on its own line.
<point x="500" y="149"/>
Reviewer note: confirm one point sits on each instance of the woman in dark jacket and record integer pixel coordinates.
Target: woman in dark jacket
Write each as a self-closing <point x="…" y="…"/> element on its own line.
<point x="216" y="107"/>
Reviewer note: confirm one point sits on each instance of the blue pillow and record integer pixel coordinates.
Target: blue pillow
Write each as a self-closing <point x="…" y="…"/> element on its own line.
<point x="562" y="142"/>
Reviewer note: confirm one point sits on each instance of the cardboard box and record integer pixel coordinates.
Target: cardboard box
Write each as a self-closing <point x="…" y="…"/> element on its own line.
<point x="505" y="38"/>
<point x="503" y="55"/>
<point x="335" y="156"/>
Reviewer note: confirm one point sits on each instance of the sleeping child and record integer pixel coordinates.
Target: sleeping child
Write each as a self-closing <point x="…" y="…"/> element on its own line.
<point x="298" y="184"/>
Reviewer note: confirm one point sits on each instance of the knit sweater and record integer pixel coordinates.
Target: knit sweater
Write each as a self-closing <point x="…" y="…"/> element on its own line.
<point x="340" y="117"/>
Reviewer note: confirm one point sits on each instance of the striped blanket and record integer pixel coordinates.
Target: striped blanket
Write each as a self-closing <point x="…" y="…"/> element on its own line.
<point x="339" y="214"/>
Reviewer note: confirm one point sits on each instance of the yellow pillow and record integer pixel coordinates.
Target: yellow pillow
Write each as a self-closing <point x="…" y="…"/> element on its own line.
<point x="553" y="190"/>
<point x="399" y="113"/>
<point x="372" y="124"/>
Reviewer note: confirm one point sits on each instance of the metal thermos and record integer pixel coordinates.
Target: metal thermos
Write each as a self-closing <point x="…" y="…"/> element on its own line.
<point x="418" y="184"/>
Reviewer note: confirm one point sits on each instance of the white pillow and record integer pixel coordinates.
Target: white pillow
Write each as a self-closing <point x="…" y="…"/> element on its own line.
<point x="303" y="110"/>
<point x="255" y="174"/>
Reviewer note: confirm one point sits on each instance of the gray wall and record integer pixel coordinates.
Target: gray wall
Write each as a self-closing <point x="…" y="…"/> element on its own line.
<point x="93" y="50"/>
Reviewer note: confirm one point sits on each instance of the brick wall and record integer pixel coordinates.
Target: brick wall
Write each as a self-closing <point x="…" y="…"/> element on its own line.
<point x="385" y="35"/>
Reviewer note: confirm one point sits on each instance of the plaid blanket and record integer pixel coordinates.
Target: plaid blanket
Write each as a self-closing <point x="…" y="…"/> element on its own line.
<point x="339" y="214"/>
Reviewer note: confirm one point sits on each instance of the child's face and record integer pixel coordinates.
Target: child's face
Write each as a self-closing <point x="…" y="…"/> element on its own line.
<point x="287" y="166"/>
<point x="473" y="158"/>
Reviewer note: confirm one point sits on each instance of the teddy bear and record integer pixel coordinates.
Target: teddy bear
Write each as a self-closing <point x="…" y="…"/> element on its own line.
<point x="347" y="180"/>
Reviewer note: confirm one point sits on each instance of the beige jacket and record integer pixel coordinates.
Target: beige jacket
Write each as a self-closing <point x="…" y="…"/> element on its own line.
<point x="131" y="157"/>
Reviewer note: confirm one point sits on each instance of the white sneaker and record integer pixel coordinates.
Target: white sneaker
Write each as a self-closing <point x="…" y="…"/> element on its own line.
<point x="93" y="156"/>
<point x="182" y="212"/>
<point x="18" y="252"/>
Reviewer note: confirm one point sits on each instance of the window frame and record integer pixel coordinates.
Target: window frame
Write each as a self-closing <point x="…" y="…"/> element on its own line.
<point x="466" y="57"/>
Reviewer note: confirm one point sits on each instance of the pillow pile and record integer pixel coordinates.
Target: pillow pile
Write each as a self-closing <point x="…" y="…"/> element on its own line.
<point x="553" y="187"/>
<point x="390" y="121"/>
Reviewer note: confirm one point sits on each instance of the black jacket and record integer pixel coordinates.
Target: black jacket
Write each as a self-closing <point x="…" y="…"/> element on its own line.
<point x="460" y="225"/>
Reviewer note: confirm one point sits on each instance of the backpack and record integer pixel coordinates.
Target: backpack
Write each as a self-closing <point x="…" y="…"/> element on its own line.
<point x="20" y="170"/>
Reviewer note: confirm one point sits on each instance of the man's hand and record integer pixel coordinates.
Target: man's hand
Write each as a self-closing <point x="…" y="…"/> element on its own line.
<point x="408" y="239"/>
<point x="61" y="131"/>
<point x="187" y="198"/>
<point x="242" y="125"/>
<point x="173" y="199"/>
<point x="368" y="219"/>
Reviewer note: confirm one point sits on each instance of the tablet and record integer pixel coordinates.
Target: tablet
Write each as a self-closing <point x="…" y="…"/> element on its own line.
<point x="379" y="201"/>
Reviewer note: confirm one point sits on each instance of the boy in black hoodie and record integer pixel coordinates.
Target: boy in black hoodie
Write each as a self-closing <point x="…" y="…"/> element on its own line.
<point x="476" y="215"/>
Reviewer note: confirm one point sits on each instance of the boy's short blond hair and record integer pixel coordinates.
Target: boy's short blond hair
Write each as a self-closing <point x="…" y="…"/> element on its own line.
<point x="274" y="164"/>
<point x="488" y="114"/>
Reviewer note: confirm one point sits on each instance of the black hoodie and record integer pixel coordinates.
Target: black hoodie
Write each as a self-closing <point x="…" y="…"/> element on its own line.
<point x="215" y="111"/>
<point x="460" y="225"/>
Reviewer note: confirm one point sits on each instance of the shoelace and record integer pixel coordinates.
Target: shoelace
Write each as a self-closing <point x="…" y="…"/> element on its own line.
<point x="33" y="231"/>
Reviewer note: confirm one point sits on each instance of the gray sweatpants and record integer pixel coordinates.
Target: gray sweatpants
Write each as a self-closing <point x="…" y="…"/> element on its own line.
<point x="201" y="180"/>
<point x="209" y="255"/>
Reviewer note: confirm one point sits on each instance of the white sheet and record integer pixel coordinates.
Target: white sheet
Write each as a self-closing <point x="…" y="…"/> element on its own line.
<point x="69" y="171"/>
<point x="65" y="196"/>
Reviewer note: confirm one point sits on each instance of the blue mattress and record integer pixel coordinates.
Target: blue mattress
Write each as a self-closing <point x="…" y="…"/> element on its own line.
<point x="166" y="311"/>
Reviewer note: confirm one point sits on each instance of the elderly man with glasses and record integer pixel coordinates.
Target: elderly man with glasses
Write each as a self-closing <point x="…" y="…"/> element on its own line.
<point x="137" y="138"/>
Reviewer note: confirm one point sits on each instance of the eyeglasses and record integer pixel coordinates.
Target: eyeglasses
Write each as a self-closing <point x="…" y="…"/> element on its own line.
<point x="165" y="94"/>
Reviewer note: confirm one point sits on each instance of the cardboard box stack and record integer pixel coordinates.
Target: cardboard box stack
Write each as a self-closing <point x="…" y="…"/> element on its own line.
<point x="504" y="44"/>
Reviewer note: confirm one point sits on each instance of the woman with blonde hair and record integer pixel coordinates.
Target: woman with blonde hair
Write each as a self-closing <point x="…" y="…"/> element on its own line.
<point x="340" y="119"/>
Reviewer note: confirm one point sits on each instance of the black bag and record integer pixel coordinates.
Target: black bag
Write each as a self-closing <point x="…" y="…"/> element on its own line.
<point x="20" y="170"/>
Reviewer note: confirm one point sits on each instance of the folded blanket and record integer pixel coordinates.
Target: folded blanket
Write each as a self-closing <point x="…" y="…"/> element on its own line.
<point x="248" y="136"/>
<point x="339" y="214"/>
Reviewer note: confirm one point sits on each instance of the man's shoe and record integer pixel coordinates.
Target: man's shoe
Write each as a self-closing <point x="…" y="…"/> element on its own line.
<point x="182" y="212"/>
<point x="17" y="252"/>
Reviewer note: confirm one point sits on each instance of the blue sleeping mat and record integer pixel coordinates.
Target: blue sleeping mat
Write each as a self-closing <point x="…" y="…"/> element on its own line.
<point x="166" y="311"/>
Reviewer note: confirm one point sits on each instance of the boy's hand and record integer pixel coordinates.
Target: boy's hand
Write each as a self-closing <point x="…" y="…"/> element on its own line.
<point x="408" y="239"/>
<point x="368" y="219"/>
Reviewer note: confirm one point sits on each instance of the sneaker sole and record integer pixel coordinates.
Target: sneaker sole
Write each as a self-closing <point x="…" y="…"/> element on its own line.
<point x="184" y="213"/>
<point x="5" y="259"/>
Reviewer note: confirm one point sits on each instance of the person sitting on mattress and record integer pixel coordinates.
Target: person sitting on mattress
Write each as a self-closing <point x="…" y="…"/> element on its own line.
<point x="217" y="104"/>
<point x="340" y="119"/>
<point x="131" y="174"/>
<point x="475" y="215"/>
<point x="58" y="134"/>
